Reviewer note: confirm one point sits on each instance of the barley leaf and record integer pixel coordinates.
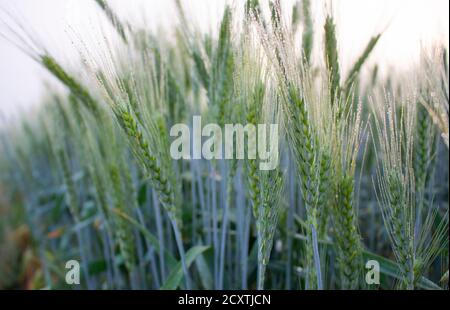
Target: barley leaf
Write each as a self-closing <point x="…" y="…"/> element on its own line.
<point x="176" y="275"/>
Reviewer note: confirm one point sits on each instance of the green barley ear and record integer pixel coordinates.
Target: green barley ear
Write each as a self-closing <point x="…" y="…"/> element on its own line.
<point x="149" y="162"/>
<point x="224" y="68"/>
<point x="272" y="183"/>
<point x="166" y="166"/>
<point x="347" y="235"/>
<point x="113" y="18"/>
<point x="304" y="141"/>
<point x="265" y="187"/>
<point x="201" y="68"/>
<point x="253" y="117"/>
<point x="71" y="83"/>
<point x="251" y="6"/>
<point x="123" y="231"/>
<point x="332" y="58"/>
<point x="425" y="144"/>
<point x="346" y="139"/>
<point x="157" y="173"/>
<point x="275" y="10"/>
<point x="129" y="87"/>
<point x="437" y="103"/>
<point x="325" y="194"/>
<point x="308" y="31"/>
<point x="225" y="33"/>
<point x="253" y="10"/>
<point x="356" y="68"/>
<point x="395" y="182"/>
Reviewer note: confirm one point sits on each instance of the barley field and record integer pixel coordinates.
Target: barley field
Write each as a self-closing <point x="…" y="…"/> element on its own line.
<point x="357" y="198"/>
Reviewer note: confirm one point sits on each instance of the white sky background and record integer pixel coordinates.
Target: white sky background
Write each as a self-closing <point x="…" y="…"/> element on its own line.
<point x="408" y="26"/>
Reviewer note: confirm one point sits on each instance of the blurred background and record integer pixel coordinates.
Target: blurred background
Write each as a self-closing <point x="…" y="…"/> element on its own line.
<point x="409" y="27"/>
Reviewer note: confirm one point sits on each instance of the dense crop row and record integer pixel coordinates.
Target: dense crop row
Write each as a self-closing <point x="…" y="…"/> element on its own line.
<point x="362" y="174"/>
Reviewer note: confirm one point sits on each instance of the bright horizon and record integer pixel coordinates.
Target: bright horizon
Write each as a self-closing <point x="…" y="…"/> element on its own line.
<point x="409" y="27"/>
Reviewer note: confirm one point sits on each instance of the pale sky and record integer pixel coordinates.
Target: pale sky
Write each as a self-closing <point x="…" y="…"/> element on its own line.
<point x="408" y="26"/>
